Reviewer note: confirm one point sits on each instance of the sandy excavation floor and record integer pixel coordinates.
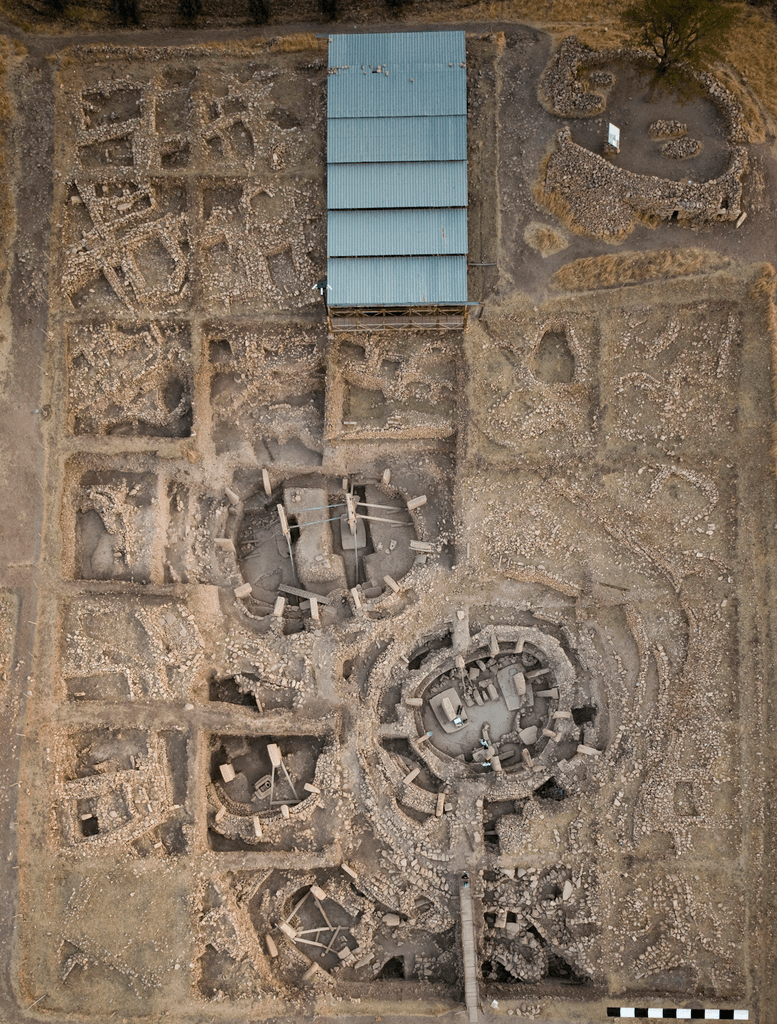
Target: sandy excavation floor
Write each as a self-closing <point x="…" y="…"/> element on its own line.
<point x="190" y="762"/>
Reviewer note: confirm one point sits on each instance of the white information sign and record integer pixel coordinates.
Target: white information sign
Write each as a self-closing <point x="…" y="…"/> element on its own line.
<point x="614" y="137"/>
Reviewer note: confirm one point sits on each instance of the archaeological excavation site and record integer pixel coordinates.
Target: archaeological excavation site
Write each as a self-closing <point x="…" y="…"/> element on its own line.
<point x="389" y="522"/>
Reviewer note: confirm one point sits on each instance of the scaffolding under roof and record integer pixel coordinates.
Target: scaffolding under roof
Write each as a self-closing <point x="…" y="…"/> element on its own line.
<point x="397" y="180"/>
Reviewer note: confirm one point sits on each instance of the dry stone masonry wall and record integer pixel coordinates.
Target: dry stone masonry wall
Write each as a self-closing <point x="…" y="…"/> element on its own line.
<point x="599" y="199"/>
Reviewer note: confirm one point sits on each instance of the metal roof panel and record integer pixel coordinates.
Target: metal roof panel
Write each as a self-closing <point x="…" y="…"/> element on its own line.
<point x="397" y="47"/>
<point x="396" y="280"/>
<point x="399" y="91"/>
<point x="436" y="232"/>
<point x="396" y="186"/>
<point x="375" y="139"/>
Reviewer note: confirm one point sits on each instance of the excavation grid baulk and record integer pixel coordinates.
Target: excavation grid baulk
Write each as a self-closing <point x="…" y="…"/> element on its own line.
<point x="397" y="181"/>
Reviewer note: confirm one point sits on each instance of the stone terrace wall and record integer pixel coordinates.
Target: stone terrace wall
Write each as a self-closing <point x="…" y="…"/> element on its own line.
<point x="562" y="92"/>
<point x="605" y="201"/>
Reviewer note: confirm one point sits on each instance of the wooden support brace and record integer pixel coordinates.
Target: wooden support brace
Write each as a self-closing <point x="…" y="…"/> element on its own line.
<point x="382" y="519"/>
<point x="298" y="906"/>
<point x="322" y="911"/>
<point x="298" y="592"/>
<point x="389" y="508"/>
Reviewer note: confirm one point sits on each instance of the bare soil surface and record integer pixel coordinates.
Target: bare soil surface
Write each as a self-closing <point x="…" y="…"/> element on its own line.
<point x="218" y="715"/>
<point x="632" y="106"/>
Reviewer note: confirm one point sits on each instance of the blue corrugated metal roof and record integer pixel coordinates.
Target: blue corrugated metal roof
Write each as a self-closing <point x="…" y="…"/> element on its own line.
<point x="396" y="280"/>
<point x="397" y="169"/>
<point x="397" y="232"/>
<point x="397" y="47"/>
<point x="394" y="186"/>
<point x="400" y="91"/>
<point x="377" y="139"/>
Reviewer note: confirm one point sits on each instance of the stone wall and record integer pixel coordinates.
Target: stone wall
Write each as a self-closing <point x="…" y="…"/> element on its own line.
<point x="603" y="201"/>
<point x="598" y="199"/>
<point x="562" y="91"/>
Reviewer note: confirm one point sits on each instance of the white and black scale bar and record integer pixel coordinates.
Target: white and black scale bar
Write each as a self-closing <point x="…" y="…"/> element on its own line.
<point x="676" y="1014"/>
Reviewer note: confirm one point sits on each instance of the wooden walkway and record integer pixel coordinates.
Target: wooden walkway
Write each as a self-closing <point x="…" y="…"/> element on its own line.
<point x="468" y="947"/>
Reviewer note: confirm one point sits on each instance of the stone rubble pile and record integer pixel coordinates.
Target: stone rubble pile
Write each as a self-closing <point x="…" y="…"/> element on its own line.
<point x="560" y="88"/>
<point x="681" y="149"/>
<point x="667" y="129"/>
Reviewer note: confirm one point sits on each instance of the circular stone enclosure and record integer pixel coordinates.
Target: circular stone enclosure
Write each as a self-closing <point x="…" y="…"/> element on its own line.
<point x="494" y="709"/>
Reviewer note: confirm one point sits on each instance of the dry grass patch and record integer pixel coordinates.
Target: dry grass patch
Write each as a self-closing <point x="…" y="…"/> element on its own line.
<point x="555" y="205"/>
<point x="572" y="11"/>
<point x="598" y="37"/>
<point x="751" y="114"/>
<point x="765" y="285"/>
<point x="486" y="10"/>
<point x="750" y="50"/>
<point x="297" y="41"/>
<point x="545" y="239"/>
<point x="613" y="270"/>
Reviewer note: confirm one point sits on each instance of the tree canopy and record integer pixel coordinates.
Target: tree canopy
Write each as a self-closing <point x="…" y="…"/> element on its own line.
<point x="259" y="10"/>
<point x="127" y="11"/>
<point x="681" y="31"/>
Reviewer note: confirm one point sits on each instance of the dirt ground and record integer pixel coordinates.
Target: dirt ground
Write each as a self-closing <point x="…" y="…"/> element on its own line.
<point x="577" y="492"/>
